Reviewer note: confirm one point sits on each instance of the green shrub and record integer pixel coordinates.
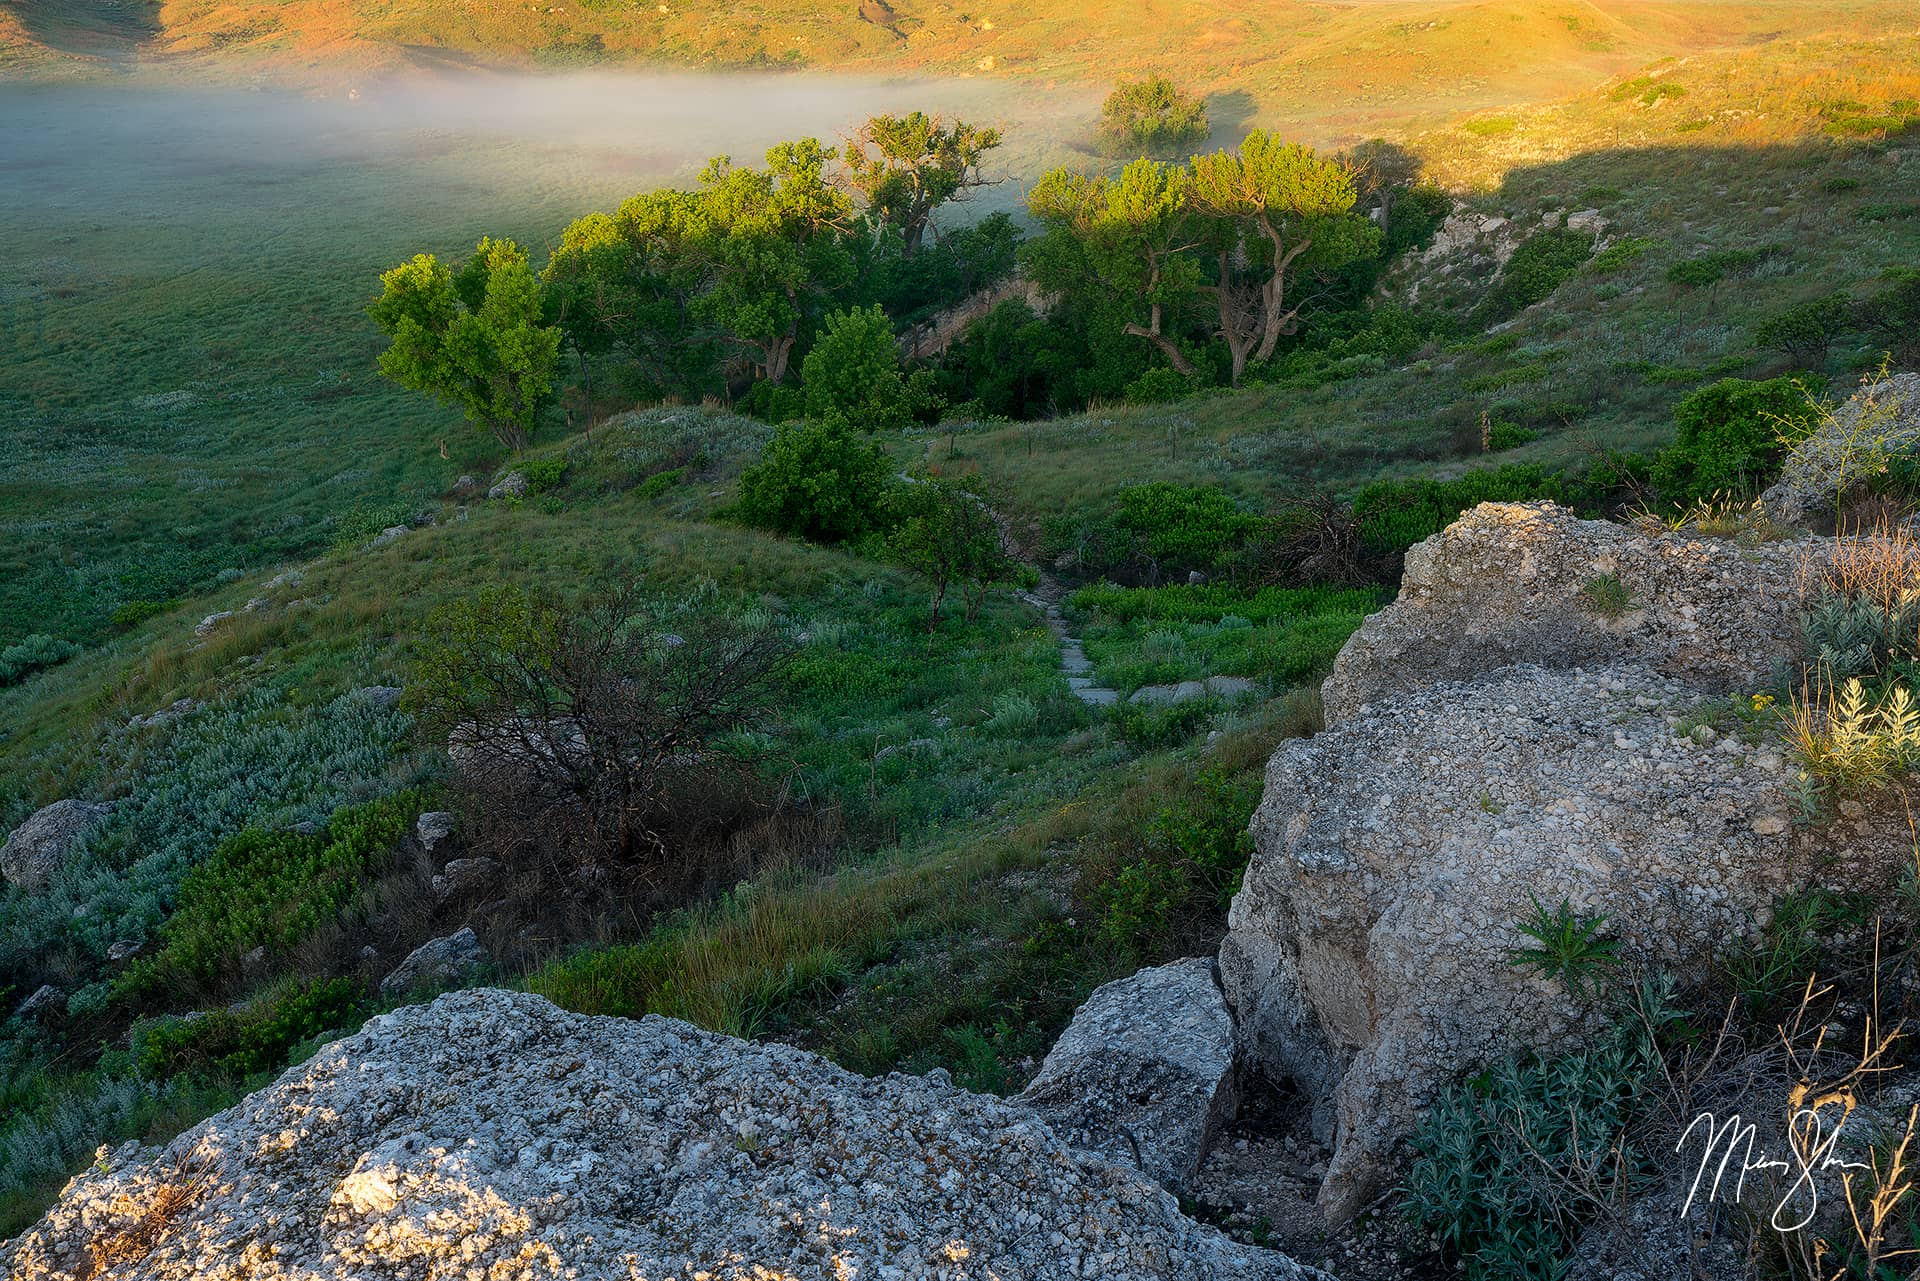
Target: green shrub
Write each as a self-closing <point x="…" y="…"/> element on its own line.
<point x="1501" y="1166"/>
<point x="1806" y="331"/>
<point x="1504" y="435"/>
<point x="1647" y="90"/>
<point x="852" y="376"/>
<point x="1393" y="515"/>
<point x="1727" y="439"/>
<point x="1150" y="726"/>
<point x="1709" y="269"/>
<point x="1538" y="267"/>
<point x="360" y="523"/>
<point x="240" y="1043"/>
<point x="660" y="482"/>
<point x="1491" y="126"/>
<point x="128" y="613"/>
<point x="543" y="474"/>
<point x="1620" y="253"/>
<point x="1183" y="526"/>
<point x="1152" y="116"/>
<point x="1887" y="211"/>
<point x="1187" y="866"/>
<point x="1158" y="386"/>
<point x="817" y="481"/>
<point x="269" y="888"/>
<point x="1892" y="317"/>
<point x="36" y="653"/>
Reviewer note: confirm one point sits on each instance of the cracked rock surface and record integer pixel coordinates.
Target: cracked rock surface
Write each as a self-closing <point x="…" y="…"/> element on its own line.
<point x="491" y="1134"/>
<point x="1369" y="954"/>
<point x="1508" y="583"/>
<point x="1144" y="1073"/>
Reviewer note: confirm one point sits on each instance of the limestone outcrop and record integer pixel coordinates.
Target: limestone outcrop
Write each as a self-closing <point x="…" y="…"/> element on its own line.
<point x="1878" y="424"/>
<point x="491" y="1134"/>
<point x="1370" y="950"/>
<point x="1144" y="1074"/>
<point x="37" y="850"/>
<point x="1533" y="583"/>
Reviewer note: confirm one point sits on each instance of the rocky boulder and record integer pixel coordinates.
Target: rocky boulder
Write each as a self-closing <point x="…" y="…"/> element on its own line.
<point x="1144" y="1073"/>
<point x="1878" y="424"/>
<point x="433" y="827"/>
<point x="438" y="962"/>
<point x="47" y="1001"/>
<point x="490" y="1134"/>
<point x="38" y="849"/>
<point x="512" y="485"/>
<point x="1369" y="955"/>
<point x="1524" y="583"/>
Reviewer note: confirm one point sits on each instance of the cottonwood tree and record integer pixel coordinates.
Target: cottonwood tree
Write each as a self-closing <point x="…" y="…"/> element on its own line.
<point x="474" y="338"/>
<point x="1267" y="211"/>
<point x="905" y="167"/>
<point x="625" y="285"/>
<point x="1128" y="237"/>
<point x="771" y="241"/>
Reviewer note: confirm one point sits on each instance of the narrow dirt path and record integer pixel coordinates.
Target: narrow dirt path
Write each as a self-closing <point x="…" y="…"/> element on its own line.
<point x="1046" y="597"/>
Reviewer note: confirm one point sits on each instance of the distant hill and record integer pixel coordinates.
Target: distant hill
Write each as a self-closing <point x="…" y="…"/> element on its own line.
<point x="1386" y="58"/>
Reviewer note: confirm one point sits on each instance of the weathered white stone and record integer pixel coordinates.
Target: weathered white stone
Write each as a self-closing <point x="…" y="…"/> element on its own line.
<point x="438" y="963"/>
<point x="1877" y="424"/>
<point x="1506" y="584"/>
<point x="38" y="849"/>
<point x="1369" y="954"/>
<point x="1144" y="1073"/>
<point x="491" y="1134"/>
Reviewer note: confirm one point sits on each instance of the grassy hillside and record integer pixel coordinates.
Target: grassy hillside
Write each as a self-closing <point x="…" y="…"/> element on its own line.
<point x="1342" y="66"/>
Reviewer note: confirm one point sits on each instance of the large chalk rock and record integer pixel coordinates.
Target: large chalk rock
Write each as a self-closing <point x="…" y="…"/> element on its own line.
<point x="1510" y="583"/>
<point x="38" y="849"/>
<point x="1144" y="1073"/>
<point x="1370" y="949"/>
<point x="491" y="1134"/>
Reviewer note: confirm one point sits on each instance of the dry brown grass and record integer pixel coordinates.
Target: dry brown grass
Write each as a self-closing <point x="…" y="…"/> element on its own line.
<point x="134" y="1239"/>
<point x="1879" y="562"/>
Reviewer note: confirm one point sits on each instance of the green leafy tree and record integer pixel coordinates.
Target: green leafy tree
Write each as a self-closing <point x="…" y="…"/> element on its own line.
<point x="625" y="285"/>
<point x="908" y="166"/>
<point x="1805" y="332"/>
<point x="944" y="531"/>
<point x="819" y="481"/>
<point x="853" y="376"/>
<point x="771" y="241"/>
<point x="1152" y="116"/>
<point x="1125" y="239"/>
<point x="1267" y="212"/>
<point x="1892" y="317"/>
<point x="473" y="338"/>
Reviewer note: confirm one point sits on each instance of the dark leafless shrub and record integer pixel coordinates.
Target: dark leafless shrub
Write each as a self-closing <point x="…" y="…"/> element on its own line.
<point x="1312" y="539"/>
<point x="588" y="734"/>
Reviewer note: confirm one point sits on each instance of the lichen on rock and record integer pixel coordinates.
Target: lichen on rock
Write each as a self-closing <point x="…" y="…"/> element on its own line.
<point x="492" y="1134"/>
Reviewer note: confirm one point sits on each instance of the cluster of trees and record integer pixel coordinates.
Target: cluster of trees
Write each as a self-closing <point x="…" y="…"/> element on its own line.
<point x="1178" y="255"/>
<point x="702" y="292"/>
<point x="1165" y="276"/>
